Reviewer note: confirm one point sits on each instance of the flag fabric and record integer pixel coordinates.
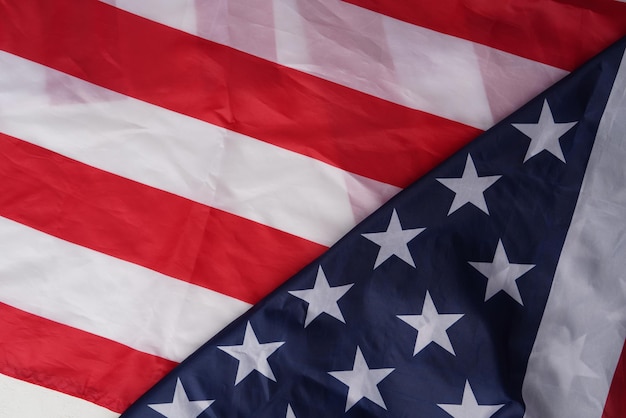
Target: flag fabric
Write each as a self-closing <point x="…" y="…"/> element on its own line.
<point x="167" y="164"/>
<point x="491" y="287"/>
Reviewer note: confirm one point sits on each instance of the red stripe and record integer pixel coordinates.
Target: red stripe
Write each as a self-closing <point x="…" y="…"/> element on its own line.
<point x="561" y="33"/>
<point x="172" y="69"/>
<point x="144" y="225"/>
<point x="615" y="406"/>
<point x="74" y="362"/>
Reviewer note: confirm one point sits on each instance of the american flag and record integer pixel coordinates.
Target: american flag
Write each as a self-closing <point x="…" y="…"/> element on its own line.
<point x="492" y="287"/>
<point x="166" y="164"/>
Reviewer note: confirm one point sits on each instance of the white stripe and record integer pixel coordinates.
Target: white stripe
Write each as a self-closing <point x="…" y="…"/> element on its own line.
<point x="103" y="295"/>
<point x="20" y="399"/>
<point x="587" y="303"/>
<point x="338" y="41"/>
<point x="290" y="37"/>
<point x="183" y="155"/>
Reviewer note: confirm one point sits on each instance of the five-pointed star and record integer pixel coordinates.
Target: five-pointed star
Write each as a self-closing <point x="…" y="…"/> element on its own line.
<point x="394" y="241"/>
<point x="252" y="355"/>
<point x="322" y="298"/>
<point x="469" y="407"/>
<point x="431" y="326"/>
<point x="545" y="134"/>
<point x="469" y="188"/>
<point x="181" y="406"/>
<point x="501" y="274"/>
<point x="290" y="413"/>
<point x="563" y="360"/>
<point x="362" y="381"/>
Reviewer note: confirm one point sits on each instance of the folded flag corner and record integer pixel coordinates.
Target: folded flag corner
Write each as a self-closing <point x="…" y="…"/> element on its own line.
<point x="491" y="287"/>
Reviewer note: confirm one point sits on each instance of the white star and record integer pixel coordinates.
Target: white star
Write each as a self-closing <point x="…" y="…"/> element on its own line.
<point x="501" y="274"/>
<point x="322" y="298"/>
<point x="469" y="188"/>
<point x="362" y="381"/>
<point x="252" y="355"/>
<point x="562" y="360"/>
<point x="181" y="406"/>
<point x="431" y="326"/>
<point x="394" y="241"/>
<point x="469" y="407"/>
<point x="290" y="413"/>
<point x="545" y="134"/>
